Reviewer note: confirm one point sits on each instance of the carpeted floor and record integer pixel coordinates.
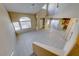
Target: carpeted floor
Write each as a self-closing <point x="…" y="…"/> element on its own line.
<point x="25" y="40"/>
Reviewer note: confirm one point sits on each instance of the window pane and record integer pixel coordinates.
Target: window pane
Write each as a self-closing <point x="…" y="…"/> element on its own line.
<point x="25" y="19"/>
<point x="25" y="25"/>
<point x="55" y="24"/>
<point x="16" y="25"/>
<point x="28" y="24"/>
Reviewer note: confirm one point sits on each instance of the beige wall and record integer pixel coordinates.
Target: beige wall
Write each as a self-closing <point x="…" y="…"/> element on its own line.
<point x="41" y="24"/>
<point x="16" y="16"/>
<point x="41" y="14"/>
<point x="7" y="33"/>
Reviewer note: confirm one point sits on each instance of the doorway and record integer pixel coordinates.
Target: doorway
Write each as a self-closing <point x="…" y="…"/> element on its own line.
<point x="54" y="24"/>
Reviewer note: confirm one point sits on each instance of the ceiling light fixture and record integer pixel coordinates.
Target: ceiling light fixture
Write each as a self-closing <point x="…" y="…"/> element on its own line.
<point x="33" y="4"/>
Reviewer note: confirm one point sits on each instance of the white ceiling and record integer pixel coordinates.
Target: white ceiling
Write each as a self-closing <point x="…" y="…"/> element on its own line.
<point x="24" y="7"/>
<point x="67" y="10"/>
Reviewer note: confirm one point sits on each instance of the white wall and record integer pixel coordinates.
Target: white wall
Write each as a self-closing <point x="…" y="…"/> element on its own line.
<point x="70" y="10"/>
<point x="52" y="9"/>
<point x="71" y="37"/>
<point x="78" y="24"/>
<point x="7" y="35"/>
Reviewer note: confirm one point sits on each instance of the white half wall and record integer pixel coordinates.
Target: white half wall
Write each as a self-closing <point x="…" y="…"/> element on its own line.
<point x="7" y="33"/>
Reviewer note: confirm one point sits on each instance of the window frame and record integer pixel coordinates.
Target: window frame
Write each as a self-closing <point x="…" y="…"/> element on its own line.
<point x="15" y="26"/>
<point x="20" y="25"/>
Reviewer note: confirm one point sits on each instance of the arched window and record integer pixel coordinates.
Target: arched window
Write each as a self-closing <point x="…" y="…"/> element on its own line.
<point x="23" y="23"/>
